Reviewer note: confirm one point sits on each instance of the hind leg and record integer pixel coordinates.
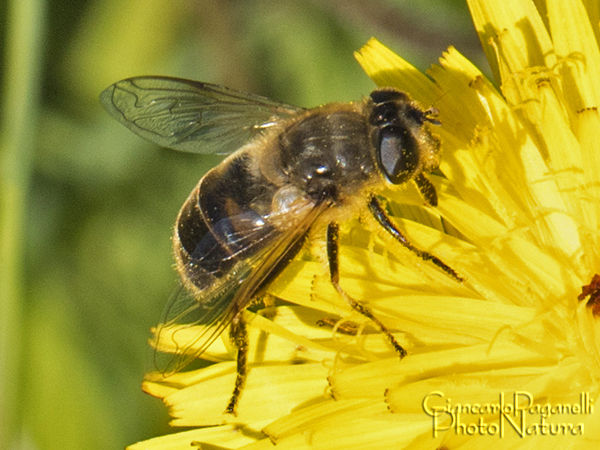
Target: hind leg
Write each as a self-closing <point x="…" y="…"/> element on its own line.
<point x="239" y="336"/>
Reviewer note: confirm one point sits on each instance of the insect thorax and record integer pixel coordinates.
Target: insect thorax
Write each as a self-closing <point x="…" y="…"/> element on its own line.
<point x="328" y="153"/>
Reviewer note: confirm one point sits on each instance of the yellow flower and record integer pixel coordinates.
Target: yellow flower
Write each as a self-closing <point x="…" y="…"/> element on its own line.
<point x="518" y="219"/>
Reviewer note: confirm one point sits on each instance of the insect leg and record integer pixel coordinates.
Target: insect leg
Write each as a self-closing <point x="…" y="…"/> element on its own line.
<point x="384" y="220"/>
<point x="349" y="328"/>
<point x="239" y="334"/>
<point x="334" y="273"/>
<point x="264" y="273"/>
<point x="427" y="189"/>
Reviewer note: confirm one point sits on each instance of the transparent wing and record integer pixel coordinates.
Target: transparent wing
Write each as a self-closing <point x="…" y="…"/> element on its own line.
<point x="191" y="116"/>
<point x="193" y="322"/>
<point x="191" y="325"/>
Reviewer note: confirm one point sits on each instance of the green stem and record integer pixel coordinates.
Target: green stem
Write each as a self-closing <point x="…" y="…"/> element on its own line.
<point x="20" y="104"/>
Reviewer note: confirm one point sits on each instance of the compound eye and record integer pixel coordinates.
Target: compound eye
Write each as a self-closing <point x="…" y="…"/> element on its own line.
<point x="397" y="154"/>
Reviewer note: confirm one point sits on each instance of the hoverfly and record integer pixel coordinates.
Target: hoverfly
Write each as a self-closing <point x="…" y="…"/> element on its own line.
<point x="289" y="171"/>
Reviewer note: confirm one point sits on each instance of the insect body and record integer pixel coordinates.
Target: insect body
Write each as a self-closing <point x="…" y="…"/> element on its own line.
<point x="290" y="170"/>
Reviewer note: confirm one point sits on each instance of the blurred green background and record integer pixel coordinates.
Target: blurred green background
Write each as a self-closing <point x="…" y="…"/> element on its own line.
<point x="86" y="207"/>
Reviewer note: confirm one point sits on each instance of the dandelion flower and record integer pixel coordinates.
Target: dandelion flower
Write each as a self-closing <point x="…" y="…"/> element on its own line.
<point x="508" y="358"/>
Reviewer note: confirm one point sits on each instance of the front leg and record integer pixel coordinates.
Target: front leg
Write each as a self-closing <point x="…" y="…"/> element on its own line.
<point x="334" y="274"/>
<point x="427" y="189"/>
<point x="384" y="220"/>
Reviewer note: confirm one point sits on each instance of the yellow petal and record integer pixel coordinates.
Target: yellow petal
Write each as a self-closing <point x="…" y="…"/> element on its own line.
<point x="577" y="52"/>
